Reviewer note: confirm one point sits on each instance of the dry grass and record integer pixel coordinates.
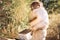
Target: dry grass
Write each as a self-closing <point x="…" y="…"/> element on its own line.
<point x="54" y="23"/>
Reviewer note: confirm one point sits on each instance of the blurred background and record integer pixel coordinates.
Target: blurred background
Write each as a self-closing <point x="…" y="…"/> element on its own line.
<point x="14" y="15"/>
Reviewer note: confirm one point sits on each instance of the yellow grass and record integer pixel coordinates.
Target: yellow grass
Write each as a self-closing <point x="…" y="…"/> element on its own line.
<point x="53" y="27"/>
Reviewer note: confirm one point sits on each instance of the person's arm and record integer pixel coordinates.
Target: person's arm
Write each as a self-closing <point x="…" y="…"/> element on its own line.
<point x="34" y="18"/>
<point x="34" y="22"/>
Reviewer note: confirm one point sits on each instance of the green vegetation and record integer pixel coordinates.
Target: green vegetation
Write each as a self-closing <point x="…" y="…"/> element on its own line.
<point x="52" y="6"/>
<point x="13" y="15"/>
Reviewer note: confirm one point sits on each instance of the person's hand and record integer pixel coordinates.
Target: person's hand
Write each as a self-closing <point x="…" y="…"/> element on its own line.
<point x="30" y="28"/>
<point x="34" y="28"/>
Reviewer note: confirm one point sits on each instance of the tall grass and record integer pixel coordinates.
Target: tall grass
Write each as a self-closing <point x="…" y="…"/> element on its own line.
<point x="53" y="29"/>
<point x="13" y="17"/>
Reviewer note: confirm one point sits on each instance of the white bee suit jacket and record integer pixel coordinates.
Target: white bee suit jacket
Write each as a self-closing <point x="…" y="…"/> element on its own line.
<point x="42" y="18"/>
<point x="42" y="21"/>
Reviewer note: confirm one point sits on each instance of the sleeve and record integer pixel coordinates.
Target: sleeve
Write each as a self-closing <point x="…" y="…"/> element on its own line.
<point x="34" y="22"/>
<point x="37" y="20"/>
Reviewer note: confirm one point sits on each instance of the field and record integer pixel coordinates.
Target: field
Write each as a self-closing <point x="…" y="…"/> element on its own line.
<point x="54" y="27"/>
